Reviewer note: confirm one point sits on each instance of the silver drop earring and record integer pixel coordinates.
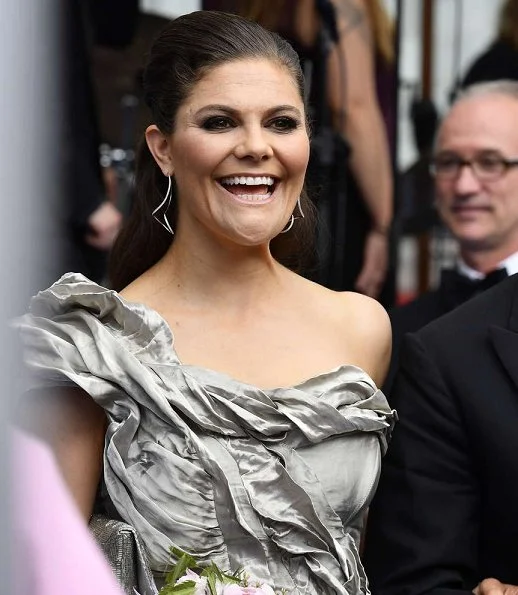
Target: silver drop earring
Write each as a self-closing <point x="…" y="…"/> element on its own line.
<point x="290" y="225"/>
<point x="300" y="208"/>
<point x="292" y="218"/>
<point x="167" y="201"/>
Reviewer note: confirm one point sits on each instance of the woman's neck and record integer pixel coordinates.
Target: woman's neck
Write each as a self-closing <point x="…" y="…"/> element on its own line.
<point x="226" y="276"/>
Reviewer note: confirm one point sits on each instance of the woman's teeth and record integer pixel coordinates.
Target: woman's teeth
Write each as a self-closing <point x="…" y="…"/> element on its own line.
<point x="248" y="181"/>
<point x="254" y="197"/>
<point x="252" y="188"/>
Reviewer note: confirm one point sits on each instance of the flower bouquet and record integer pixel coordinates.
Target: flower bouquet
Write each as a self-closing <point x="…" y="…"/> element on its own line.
<point x="187" y="577"/>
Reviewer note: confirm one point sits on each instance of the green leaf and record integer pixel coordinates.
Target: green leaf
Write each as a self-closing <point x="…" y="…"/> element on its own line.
<point x="211" y="570"/>
<point x="178" y="553"/>
<point x="185" y="588"/>
<point x="185" y="562"/>
<point x="211" y="582"/>
<point x="231" y="578"/>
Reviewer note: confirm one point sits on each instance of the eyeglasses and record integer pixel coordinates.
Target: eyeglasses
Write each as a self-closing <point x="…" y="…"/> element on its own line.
<point x="486" y="167"/>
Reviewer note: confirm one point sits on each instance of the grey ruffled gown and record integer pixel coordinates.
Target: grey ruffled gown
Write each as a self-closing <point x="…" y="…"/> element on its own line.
<point x="273" y="481"/>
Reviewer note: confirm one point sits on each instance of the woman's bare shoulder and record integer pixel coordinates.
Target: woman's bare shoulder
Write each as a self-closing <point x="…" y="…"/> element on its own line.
<point x="363" y="323"/>
<point x="360" y="313"/>
<point x="366" y="321"/>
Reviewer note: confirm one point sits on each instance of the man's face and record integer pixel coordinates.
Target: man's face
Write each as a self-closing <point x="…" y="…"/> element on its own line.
<point x="481" y="213"/>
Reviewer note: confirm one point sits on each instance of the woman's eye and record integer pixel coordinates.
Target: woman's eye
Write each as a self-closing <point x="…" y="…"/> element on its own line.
<point x="284" y="124"/>
<point x="217" y="123"/>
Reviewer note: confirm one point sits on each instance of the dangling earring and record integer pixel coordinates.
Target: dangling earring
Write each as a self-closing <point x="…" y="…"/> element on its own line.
<point x="290" y="225"/>
<point x="167" y="199"/>
<point x="300" y="208"/>
<point x="292" y="218"/>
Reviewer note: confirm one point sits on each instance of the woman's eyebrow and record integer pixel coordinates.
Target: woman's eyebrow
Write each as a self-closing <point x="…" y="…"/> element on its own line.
<point x="216" y="107"/>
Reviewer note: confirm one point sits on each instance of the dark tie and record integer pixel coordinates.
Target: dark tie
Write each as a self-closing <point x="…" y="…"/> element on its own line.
<point x="461" y="288"/>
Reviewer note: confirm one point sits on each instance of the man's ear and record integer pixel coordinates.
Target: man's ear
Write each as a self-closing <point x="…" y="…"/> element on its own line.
<point x="159" y="146"/>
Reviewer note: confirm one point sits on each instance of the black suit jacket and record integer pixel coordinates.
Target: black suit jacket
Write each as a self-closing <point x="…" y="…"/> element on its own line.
<point x="412" y="317"/>
<point x="446" y="512"/>
<point x="430" y="306"/>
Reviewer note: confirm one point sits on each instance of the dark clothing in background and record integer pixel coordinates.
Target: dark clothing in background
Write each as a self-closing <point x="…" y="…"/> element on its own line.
<point x="386" y="89"/>
<point x="454" y="289"/>
<point x="345" y="220"/>
<point x="107" y="22"/>
<point x="114" y="22"/>
<point x="499" y="61"/>
<point x="416" y="212"/>
<point x="444" y="515"/>
<point x="83" y="187"/>
<point x="222" y="5"/>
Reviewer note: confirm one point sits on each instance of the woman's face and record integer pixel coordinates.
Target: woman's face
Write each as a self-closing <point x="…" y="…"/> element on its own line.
<point x="239" y="152"/>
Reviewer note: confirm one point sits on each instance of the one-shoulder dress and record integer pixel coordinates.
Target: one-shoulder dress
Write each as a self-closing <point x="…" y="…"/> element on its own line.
<point x="275" y="482"/>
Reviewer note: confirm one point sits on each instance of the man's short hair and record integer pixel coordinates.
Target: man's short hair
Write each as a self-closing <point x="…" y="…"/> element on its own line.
<point x="508" y="88"/>
<point x="503" y="87"/>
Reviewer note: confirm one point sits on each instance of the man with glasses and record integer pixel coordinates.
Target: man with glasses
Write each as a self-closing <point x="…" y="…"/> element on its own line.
<point x="444" y="518"/>
<point x="475" y="167"/>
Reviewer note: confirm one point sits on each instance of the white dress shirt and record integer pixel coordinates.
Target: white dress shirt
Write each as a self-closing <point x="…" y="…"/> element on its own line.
<point x="510" y="264"/>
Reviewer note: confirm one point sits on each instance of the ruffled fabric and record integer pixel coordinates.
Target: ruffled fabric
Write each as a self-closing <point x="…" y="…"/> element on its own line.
<point x="273" y="481"/>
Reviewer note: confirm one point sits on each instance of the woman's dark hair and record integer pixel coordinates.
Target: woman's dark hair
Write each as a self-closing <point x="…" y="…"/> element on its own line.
<point x="186" y="50"/>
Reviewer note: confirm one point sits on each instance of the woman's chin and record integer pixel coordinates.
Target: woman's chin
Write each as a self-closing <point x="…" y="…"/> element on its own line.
<point x="254" y="235"/>
<point x="255" y="239"/>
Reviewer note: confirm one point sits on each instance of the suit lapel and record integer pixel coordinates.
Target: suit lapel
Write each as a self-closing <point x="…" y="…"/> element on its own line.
<point x="505" y="340"/>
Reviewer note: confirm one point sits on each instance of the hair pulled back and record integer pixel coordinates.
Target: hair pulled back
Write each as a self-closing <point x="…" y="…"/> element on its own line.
<point x="186" y="50"/>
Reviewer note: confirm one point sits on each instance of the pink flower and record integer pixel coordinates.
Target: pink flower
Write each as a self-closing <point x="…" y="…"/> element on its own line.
<point x="201" y="582"/>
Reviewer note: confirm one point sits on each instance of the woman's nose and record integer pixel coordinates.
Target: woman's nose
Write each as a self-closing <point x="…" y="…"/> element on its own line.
<point x="253" y="144"/>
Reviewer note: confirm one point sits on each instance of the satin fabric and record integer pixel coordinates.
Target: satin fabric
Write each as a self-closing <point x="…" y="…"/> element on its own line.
<point x="272" y="481"/>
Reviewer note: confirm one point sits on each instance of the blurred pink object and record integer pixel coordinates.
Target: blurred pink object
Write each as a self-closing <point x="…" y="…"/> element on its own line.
<point x="54" y="552"/>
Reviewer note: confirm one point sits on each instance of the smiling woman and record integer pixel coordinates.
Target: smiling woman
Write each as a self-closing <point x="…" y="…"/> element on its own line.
<point x="173" y="103"/>
<point x="228" y="388"/>
<point x="242" y="123"/>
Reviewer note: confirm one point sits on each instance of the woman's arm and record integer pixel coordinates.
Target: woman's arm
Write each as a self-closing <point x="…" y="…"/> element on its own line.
<point x="306" y="22"/>
<point x="74" y="427"/>
<point x="353" y="101"/>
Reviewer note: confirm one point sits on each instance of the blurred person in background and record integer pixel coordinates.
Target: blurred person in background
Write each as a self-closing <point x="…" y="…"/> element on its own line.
<point x="500" y="60"/>
<point x="46" y="547"/>
<point x="476" y="183"/>
<point x="87" y="217"/>
<point x="353" y="91"/>
<point x="54" y="553"/>
<point x="443" y="521"/>
<point x="416" y="212"/>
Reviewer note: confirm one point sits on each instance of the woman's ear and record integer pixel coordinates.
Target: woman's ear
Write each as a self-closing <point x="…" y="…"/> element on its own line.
<point x="159" y="146"/>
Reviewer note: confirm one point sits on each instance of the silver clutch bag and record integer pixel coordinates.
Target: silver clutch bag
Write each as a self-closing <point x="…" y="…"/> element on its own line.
<point x="125" y="553"/>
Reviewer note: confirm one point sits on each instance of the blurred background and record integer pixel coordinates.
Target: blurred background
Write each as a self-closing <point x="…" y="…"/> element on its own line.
<point x="87" y="88"/>
<point x="72" y="114"/>
<point x="435" y="42"/>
